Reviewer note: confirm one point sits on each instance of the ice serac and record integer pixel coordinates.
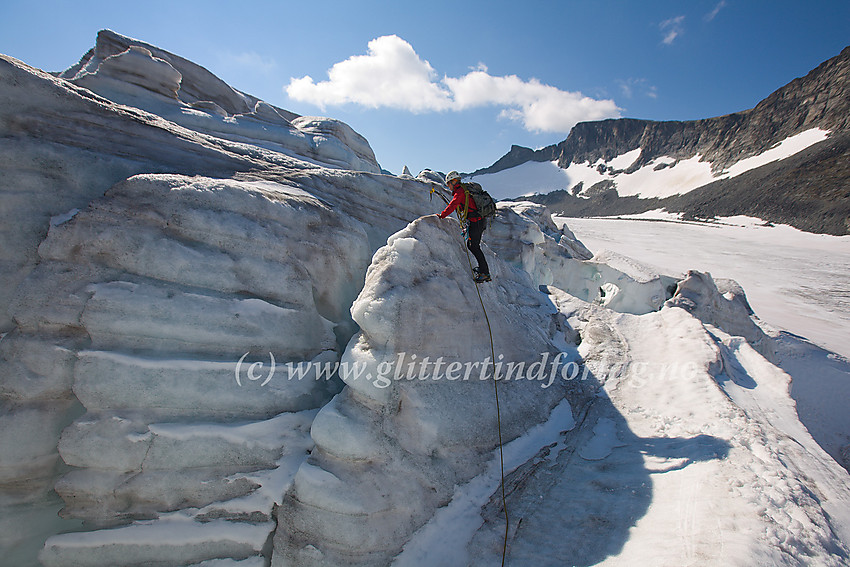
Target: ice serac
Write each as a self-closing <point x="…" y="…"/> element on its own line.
<point x="723" y="304"/>
<point x="158" y="283"/>
<point x="196" y="83"/>
<point x="128" y="108"/>
<point x="137" y="67"/>
<point x="156" y="291"/>
<point x="416" y="418"/>
<point x="158" y="227"/>
<point x="131" y="72"/>
<point x="526" y="236"/>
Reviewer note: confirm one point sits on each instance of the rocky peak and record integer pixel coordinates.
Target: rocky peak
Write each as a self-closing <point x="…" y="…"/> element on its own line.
<point x="517" y="156"/>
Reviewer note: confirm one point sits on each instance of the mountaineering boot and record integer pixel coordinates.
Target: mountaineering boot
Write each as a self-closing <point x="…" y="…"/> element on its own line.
<point x="481" y="278"/>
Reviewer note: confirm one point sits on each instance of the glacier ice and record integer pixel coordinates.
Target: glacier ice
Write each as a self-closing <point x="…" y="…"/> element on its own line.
<point x="140" y="271"/>
<point x="418" y="432"/>
<point x="529" y="239"/>
<point x="136" y="67"/>
<point x="229" y="339"/>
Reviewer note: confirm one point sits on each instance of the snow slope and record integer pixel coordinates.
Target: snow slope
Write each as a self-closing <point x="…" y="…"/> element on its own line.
<point x="662" y="177"/>
<point x="795" y="282"/>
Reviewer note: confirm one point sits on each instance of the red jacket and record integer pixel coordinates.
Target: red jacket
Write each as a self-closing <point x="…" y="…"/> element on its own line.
<point x="459" y="200"/>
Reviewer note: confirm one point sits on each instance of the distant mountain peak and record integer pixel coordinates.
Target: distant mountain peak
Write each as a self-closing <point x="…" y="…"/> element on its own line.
<point x="819" y="101"/>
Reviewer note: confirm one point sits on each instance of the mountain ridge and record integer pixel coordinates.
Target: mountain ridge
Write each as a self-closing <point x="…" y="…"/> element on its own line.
<point x="817" y="100"/>
<point x="611" y="137"/>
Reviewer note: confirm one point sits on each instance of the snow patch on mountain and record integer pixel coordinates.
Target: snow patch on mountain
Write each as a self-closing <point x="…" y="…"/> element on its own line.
<point x="786" y="148"/>
<point x="662" y="177"/>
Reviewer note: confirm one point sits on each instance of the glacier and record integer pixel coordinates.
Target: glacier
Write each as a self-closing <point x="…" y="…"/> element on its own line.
<point x="228" y="338"/>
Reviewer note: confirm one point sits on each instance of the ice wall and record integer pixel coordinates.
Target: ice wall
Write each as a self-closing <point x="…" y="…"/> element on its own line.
<point x="132" y="314"/>
<point x="526" y="236"/>
<point x="63" y="145"/>
<point x="416" y="417"/>
<point x="155" y="292"/>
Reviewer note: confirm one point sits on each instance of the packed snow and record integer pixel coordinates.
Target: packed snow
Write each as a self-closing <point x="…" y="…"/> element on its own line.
<point x="796" y="281"/>
<point x="228" y="340"/>
<point x="662" y="177"/>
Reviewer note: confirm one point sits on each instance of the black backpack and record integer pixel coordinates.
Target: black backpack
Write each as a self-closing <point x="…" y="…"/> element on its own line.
<point x="483" y="201"/>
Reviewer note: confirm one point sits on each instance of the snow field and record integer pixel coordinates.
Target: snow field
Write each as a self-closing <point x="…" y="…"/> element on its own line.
<point x="677" y="176"/>
<point x="793" y="279"/>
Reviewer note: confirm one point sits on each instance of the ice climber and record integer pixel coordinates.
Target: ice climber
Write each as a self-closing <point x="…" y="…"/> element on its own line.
<point x="475" y="223"/>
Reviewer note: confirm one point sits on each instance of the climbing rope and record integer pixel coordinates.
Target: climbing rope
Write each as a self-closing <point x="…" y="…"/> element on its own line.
<point x="462" y="217"/>
<point x="498" y="412"/>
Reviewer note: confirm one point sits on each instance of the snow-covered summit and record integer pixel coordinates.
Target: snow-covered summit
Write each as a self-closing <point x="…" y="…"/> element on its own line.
<point x="664" y="176"/>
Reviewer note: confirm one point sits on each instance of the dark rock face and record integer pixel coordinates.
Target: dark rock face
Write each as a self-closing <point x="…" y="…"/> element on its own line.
<point x="518" y="155"/>
<point x="603" y="188"/>
<point x="808" y="191"/>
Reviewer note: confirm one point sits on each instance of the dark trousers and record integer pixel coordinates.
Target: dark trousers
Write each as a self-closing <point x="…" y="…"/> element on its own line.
<point x="473" y="242"/>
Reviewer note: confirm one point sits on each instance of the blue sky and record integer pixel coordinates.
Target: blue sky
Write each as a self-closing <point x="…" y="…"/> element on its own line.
<point x="452" y="84"/>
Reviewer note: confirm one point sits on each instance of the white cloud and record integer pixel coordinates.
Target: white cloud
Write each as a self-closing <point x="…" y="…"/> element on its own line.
<point x="672" y="29"/>
<point x="540" y="107"/>
<point x="713" y="14"/>
<point x="392" y="75"/>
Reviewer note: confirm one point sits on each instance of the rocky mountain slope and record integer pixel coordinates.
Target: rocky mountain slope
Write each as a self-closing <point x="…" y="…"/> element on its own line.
<point x="810" y="192"/>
